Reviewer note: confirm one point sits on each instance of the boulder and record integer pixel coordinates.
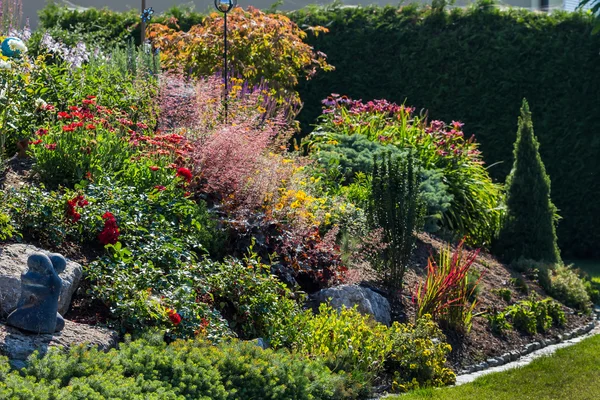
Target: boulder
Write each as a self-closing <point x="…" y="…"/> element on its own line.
<point x="13" y="263"/>
<point x="367" y="301"/>
<point x="18" y="345"/>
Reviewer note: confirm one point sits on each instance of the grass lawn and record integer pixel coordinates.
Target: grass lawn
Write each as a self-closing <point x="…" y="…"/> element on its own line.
<point x="572" y="373"/>
<point x="592" y="267"/>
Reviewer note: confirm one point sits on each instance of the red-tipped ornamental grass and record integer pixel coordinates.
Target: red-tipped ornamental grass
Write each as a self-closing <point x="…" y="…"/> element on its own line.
<point x="445" y="292"/>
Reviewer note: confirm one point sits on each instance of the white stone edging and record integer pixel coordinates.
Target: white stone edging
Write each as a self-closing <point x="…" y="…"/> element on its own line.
<point x="529" y="352"/>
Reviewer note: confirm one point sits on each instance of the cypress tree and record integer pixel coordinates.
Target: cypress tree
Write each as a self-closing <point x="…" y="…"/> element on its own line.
<point x="397" y="208"/>
<point x="529" y="226"/>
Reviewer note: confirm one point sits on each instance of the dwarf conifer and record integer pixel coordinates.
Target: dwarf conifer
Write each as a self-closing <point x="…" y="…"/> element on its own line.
<point x="529" y="226"/>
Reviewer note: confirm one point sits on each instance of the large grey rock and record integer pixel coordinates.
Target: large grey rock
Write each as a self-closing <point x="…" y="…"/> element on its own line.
<point x="367" y="301"/>
<point x="13" y="263"/>
<point x="18" y="345"/>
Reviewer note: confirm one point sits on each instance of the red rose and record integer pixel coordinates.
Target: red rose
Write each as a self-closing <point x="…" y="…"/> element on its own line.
<point x="154" y="168"/>
<point x="110" y="233"/>
<point x="174" y="317"/>
<point x="184" y="173"/>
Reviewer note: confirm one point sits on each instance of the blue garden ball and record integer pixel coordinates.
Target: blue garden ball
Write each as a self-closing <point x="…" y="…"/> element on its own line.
<point x="6" y="51"/>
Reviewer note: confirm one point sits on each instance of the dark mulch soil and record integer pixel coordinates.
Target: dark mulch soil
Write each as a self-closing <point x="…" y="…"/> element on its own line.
<point x="480" y="343"/>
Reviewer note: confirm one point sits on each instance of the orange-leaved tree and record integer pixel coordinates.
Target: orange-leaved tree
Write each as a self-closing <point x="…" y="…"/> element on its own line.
<point x="260" y="46"/>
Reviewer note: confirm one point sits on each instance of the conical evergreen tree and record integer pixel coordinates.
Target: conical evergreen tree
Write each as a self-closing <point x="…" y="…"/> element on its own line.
<point x="528" y="230"/>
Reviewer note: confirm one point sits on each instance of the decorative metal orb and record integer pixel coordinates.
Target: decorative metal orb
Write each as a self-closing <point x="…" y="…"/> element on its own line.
<point x="7" y="51"/>
<point x="225" y="5"/>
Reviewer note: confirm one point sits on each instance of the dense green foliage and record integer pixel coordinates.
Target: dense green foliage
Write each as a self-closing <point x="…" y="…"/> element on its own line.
<point x="532" y="316"/>
<point x="104" y="28"/>
<point x="475" y="65"/>
<point x="397" y="209"/>
<point x="414" y="355"/>
<point x="348" y="158"/>
<point x="150" y="369"/>
<point x="462" y="197"/>
<point x="562" y="283"/>
<point x="528" y="229"/>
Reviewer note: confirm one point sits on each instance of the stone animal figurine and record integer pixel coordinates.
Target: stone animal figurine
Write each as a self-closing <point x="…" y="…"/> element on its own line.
<point x="37" y="310"/>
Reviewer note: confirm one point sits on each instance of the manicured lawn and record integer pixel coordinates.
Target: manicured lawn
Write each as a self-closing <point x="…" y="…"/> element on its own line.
<point x="592" y="267"/>
<point x="572" y="373"/>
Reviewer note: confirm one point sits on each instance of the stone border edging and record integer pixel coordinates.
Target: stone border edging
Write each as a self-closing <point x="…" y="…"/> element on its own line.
<point x="529" y="348"/>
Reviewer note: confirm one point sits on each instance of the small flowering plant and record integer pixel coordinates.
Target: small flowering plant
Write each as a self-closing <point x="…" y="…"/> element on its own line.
<point x="89" y="140"/>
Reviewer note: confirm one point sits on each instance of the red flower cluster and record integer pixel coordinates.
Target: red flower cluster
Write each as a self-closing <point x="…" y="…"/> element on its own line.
<point x="160" y="188"/>
<point x="110" y="233"/>
<point x="78" y="201"/>
<point x="184" y="173"/>
<point x="174" y="316"/>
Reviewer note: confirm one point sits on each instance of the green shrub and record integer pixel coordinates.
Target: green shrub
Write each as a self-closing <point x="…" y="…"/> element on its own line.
<point x="504" y="293"/>
<point x="528" y="229"/>
<point x="565" y="285"/>
<point x="378" y="54"/>
<point x="414" y="355"/>
<point x="6" y="229"/>
<point x="418" y="356"/>
<point x="532" y="316"/>
<point x="397" y="208"/>
<point x="254" y="301"/>
<point x="465" y="199"/>
<point x="592" y="287"/>
<point x="181" y="370"/>
<point x="347" y="159"/>
<point x="498" y="322"/>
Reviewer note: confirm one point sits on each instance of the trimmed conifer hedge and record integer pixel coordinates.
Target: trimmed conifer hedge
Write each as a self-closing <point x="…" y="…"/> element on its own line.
<point x="475" y="65"/>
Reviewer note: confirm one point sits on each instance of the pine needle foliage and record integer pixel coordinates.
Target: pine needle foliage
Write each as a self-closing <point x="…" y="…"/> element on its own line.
<point x="397" y="208"/>
<point x="529" y="228"/>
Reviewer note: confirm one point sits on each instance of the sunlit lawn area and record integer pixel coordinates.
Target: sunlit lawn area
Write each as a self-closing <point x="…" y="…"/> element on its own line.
<point x="572" y="373"/>
<point x="592" y="267"/>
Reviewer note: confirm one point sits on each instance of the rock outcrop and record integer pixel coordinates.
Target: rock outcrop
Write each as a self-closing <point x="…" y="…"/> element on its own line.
<point x="18" y="345"/>
<point x="367" y="301"/>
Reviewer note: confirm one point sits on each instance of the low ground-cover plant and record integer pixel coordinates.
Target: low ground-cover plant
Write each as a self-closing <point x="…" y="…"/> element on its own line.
<point x="151" y="369"/>
<point x="475" y="205"/>
<point x="532" y="316"/>
<point x="445" y="294"/>
<point x="413" y="355"/>
<point x="562" y="283"/>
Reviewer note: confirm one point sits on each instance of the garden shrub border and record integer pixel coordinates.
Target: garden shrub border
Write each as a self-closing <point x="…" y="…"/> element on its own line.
<point x="531" y="347"/>
<point x="391" y="36"/>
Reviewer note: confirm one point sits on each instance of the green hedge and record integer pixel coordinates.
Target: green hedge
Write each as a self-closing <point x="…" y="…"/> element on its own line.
<point x="473" y="65"/>
<point x="111" y="27"/>
<point x="476" y="65"/>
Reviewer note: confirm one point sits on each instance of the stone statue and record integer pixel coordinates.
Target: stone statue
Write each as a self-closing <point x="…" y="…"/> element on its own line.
<point x="37" y="310"/>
